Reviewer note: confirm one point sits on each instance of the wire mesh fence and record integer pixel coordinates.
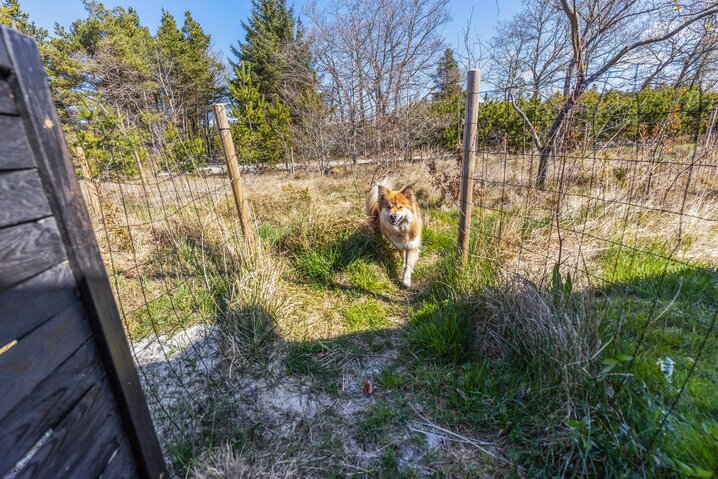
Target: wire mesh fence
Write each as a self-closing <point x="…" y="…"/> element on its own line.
<point x="606" y="271"/>
<point x="166" y="224"/>
<point x="612" y="260"/>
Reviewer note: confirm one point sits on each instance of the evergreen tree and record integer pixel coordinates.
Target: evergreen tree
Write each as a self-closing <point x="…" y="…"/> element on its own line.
<point x="261" y="128"/>
<point x="448" y="100"/>
<point x="192" y="72"/>
<point x="105" y="57"/>
<point x="269" y="31"/>
<point x="172" y="49"/>
<point x="169" y="37"/>
<point x="201" y="70"/>
<point x="447" y="79"/>
<point x="12" y="15"/>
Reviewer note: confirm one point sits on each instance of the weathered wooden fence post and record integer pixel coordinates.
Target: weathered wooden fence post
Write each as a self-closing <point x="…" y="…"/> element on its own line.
<point x="240" y="201"/>
<point x="91" y="189"/>
<point x="473" y="81"/>
<point x="71" y="401"/>
<point x="711" y="125"/>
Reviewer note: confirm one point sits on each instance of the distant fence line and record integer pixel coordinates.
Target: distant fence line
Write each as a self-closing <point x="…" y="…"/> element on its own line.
<point x="607" y="208"/>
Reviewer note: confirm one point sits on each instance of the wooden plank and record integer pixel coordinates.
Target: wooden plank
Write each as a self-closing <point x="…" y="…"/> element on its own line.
<point x="27" y="363"/>
<point x="58" y="176"/>
<point x="15" y="152"/>
<point x="122" y="464"/>
<point x="22" y="197"/>
<point x="47" y="404"/>
<point x="7" y="99"/>
<point x="29" y="249"/>
<point x="4" y="59"/>
<point x="33" y="302"/>
<point x="82" y="442"/>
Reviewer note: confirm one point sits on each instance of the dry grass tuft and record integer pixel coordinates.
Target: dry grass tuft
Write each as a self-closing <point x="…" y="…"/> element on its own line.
<point x="226" y="463"/>
<point x="256" y="303"/>
<point x="545" y="328"/>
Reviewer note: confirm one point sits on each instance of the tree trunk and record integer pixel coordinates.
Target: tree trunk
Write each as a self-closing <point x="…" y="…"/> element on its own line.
<point x="553" y="140"/>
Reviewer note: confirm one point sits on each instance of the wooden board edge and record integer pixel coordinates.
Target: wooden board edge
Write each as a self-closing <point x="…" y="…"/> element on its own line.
<point x="63" y="189"/>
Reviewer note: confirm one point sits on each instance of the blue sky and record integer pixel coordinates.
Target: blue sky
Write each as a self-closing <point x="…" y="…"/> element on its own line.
<point x="222" y="19"/>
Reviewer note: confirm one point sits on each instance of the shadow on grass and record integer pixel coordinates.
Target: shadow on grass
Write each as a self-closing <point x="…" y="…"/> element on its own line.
<point x="635" y="411"/>
<point x="319" y="263"/>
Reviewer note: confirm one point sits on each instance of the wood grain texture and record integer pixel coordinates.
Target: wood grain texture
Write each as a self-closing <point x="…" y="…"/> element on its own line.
<point x="29" y="249"/>
<point x="47" y="404"/>
<point x="33" y="302"/>
<point x="7" y="99"/>
<point x="35" y="356"/>
<point x="82" y="443"/>
<point x="15" y="150"/>
<point x="22" y="197"/>
<point x="121" y="465"/>
<point x="65" y="196"/>
<point x="4" y="59"/>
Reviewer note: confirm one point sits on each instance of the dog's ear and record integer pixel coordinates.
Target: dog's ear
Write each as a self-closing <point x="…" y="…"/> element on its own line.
<point x="382" y="190"/>
<point x="408" y="191"/>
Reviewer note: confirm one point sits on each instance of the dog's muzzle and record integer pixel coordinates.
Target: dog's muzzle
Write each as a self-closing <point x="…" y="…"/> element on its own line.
<point x="394" y="220"/>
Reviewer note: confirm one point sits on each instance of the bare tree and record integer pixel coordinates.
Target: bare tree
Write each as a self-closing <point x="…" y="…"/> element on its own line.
<point x="530" y="50"/>
<point x="375" y="59"/>
<point x="606" y="37"/>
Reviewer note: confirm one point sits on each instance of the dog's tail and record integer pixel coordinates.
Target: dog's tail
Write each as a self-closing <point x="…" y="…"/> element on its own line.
<point x="372" y="202"/>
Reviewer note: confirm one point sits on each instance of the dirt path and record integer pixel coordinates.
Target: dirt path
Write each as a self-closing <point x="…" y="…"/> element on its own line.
<point x="342" y="401"/>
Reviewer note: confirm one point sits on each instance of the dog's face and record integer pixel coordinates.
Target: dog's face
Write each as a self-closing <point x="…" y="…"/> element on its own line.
<point x="397" y="207"/>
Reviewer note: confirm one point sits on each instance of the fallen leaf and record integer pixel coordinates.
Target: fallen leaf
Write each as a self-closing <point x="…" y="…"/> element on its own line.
<point x="367" y="387"/>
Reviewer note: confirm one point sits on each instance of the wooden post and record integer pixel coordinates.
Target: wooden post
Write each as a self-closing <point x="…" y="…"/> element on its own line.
<point x="91" y="189"/>
<point x="240" y="201"/>
<point x="711" y="126"/>
<point x="471" y="117"/>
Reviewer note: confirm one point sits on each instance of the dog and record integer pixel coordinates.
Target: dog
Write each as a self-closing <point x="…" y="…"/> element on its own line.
<point x="398" y="216"/>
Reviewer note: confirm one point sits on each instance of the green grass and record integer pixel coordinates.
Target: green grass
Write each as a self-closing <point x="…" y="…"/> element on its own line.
<point x="443" y="333"/>
<point x="360" y="252"/>
<point x="367" y="275"/>
<point x="379" y="420"/>
<point x="617" y="424"/>
<point x="365" y="315"/>
<point x="181" y="307"/>
<point x="670" y="305"/>
<point x="304" y="359"/>
<point x="390" y="378"/>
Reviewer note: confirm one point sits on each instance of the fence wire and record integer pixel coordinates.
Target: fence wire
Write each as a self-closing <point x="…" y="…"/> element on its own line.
<point x="165" y="221"/>
<point x="629" y="213"/>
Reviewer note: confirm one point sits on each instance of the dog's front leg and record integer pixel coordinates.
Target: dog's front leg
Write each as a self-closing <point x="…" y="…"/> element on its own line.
<point x="410" y="259"/>
<point x="405" y="258"/>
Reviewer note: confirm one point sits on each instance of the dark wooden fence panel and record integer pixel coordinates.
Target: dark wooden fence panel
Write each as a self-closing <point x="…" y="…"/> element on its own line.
<point x="7" y="102"/>
<point x="48" y="403"/>
<point x="23" y="190"/>
<point x="70" y="402"/>
<point x="13" y="142"/>
<point x="22" y="311"/>
<point x="29" y="249"/>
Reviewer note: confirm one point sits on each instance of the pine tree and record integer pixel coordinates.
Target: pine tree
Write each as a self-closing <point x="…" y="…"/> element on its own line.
<point x="12" y="15"/>
<point x="191" y="70"/>
<point x="171" y="48"/>
<point x="200" y="68"/>
<point x="260" y="129"/>
<point x="447" y="79"/>
<point x="169" y="37"/>
<point x="268" y="32"/>
<point x="448" y="100"/>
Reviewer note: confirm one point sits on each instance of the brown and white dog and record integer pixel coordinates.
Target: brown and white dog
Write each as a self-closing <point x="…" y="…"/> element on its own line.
<point x="398" y="216"/>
